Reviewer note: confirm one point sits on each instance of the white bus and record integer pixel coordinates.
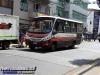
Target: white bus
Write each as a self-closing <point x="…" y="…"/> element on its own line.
<point x="54" y="32"/>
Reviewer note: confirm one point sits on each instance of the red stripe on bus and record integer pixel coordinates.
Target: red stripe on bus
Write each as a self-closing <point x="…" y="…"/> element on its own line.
<point x="36" y="35"/>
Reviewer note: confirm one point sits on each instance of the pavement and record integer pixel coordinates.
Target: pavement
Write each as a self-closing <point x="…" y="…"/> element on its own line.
<point x="14" y="62"/>
<point x="72" y="62"/>
<point x="90" y="69"/>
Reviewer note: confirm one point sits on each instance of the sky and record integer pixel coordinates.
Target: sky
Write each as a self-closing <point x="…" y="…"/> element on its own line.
<point x="93" y="6"/>
<point x="91" y="0"/>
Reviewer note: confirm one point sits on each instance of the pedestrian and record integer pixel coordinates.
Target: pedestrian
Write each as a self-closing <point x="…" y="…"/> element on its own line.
<point x="21" y="38"/>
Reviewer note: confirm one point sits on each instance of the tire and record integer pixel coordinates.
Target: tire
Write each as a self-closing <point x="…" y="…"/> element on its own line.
<point x="5" y="45"/>
<point x="53" y="47"/>
<point x="72" y="46"/>
<point x="99" y="40"/>
<point x="31" y="46"/>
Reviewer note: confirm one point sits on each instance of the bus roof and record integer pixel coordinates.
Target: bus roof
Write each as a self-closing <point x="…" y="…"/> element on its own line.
<point x="55" y="17"/>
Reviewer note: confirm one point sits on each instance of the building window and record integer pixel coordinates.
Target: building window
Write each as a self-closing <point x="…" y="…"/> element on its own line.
<point x="66" y="14"/>
<point x="24" y="5"/>
<point x="36" y="7"/>
<point x="81" y="4"/>
<point x="6" y="3"/>
<point x="47" y="10"/>
<point x="60" y="11"/>
<point x="79" y="16"/>
<point x="60" y="3"/>
<point x="59" y="26"/>
<point x="67" y="1"/>
<point x="60" y="8"/>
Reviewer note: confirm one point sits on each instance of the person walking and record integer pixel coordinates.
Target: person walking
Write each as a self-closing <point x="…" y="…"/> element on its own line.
<point x="21" y="39"/>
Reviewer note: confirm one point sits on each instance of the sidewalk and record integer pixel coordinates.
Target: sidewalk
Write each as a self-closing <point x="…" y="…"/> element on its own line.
<point x="93" y="69"/>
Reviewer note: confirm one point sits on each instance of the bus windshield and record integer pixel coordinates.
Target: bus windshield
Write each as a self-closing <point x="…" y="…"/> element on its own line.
<point x="41" y="25"/>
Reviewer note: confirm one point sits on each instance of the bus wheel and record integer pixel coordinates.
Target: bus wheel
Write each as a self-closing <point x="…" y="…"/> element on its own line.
<point x="5" y="45"/>
<point x="31" y="46"/>
<point x="72" y="46"/>
<point x="53" y="47"/>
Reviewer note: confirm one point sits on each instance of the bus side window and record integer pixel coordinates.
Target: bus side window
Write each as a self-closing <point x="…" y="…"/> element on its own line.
<point x="73" y="27"/>
<point x="80" y="28"/>
<point x="67" y="27"/>
<point x="59" y="26"/>
<point x="56" y="27"/>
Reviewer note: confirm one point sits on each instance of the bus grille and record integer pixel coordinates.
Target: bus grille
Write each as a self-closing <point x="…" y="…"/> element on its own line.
<point x="35" y="39"/>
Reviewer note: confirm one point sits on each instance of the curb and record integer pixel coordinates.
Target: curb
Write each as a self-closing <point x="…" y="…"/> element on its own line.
<point x="83" y="69"/>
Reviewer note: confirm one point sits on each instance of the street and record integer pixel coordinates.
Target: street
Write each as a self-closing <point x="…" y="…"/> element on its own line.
<point x="49" y="62"/>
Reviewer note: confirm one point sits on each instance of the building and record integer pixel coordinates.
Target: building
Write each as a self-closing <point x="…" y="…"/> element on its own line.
<point x="78" y="10"/>
<point x="6" y="6"/>
<point x="96" y="22"/>
<point x="93" y="20"/>
<point x="96" y="26"/>
<point x="98" y="2"/>
<point x="90" y="21"/>
<point x="73" y="9"/>
<point x="27" y="9"/>
<point x="90" y="18"/>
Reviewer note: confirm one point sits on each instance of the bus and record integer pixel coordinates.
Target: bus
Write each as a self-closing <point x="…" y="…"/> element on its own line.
<point x="54" y="32"/>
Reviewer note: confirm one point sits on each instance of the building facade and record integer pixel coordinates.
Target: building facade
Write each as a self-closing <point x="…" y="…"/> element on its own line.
<point x="78" y="10"/>
<point x="74" y="9"/>
<point x="27" y="9"/>
<point x="6" y="6"/>
<point x="94" y="20"/>
<point x="90" y="21"/>
<point x="96" y="26"/>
